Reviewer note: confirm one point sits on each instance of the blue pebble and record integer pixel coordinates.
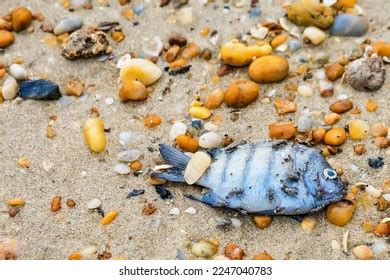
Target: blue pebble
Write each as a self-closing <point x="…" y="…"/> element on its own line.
<point x="294" y="45"/>
<point x="349" y="26"/>
<point x="138" y="9"/>
<point x="254" y="13"/>
<point x="197" y="123"/>
<point x="376" y="162"/>
<point x="39" y="90"/>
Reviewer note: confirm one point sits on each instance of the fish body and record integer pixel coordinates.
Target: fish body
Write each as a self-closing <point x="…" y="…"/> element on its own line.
<point x="270" y="178"/>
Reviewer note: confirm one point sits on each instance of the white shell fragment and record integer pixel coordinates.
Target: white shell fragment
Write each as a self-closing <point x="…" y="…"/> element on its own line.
<point x="122" y="169"/>
<point x="315" y="35"/>
<point x="190" y="210"/>
<point x="68" y="24"/>
<point x="89" y="252"/>
<point x="209" y="140"/>
<point x="123" y="60"/>
<point x="10" y="88"/>
<point x="305" y="90"/>
<point x="157" y="46"/>
<point x="178" y="128"/>
<point x="18" y="72"/>
<point x="94" y="203"/>
<point x="345" y="241"/>
<point x="259" y="33"/>
<point x="373" y="191"/>
<point x="129" y="155"/>
<point x="196" y="167"/>
<point x="174" y="211"/>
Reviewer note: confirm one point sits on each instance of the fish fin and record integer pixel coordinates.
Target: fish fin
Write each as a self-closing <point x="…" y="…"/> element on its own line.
<point x="174" y="156"/>
<point x="298" y="218"/>
<point x="209" y="198"/>
<point x="173" y="175"/>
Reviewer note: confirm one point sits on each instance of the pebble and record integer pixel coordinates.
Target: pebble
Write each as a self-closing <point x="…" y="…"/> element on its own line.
<point x="340" y="213"/>
<point x="21" y="18"/>
<point x="259" y="33"/>
<point x="284" y="106"/>
<point x="174" y="211"/>
<point x="282" y="130"/>
<point x="187" y="143"/>
<point x="109" y="217"/>
<point x="332" y="118"/>
<point x="196" y="167"/>
<point x="294" y="45"/>
<point x="382" y="229"/>
<point x="140" y="69"/>
<point x="10" y="88"/>
<point x="94" y="134"/>
<point x="56" y="204"/>
<point x="363" y="252"/>
<point x="381" y="49"/>
<point x="236" y="222"/>
<point x="334" y="71"/>
<point x="318" y="135"/>
<point x="125" y="137"/>
<point x="18" y="72"/>
<point x="326" y="88"/>
<point x="262" y="256"/>
<point x="214" y="99"/>
<point x="305" y="90"/>
<point x="268" y="69"/>
<point x="190" y="210"/>
<point x="132" y="91"/>
<point x="151" y="121"/>
<point x="39" y="90"/>
<point x="204" y="248"/>
<point x="379" y="130"/>
<point x="68" y="25"/>
<point x="122" y="168"/>
<point x="16" y="202"/>
<point x="304" y="123"/>
<point x="129" y="155"/>
<point x="185" y="15"/>
<point x="349" y="25"/>
<point x="200" y="112"/>
<point x="94" y="204"/>
<point x="366" y="74"/>
<point x="310" y="13"/>
<point x="376" y="162"/>
<point x="315" y="35"/>
<point x="241" y="93"/>
<point x="6" y="39"/>
<point x="379" y="247"/>
<point x="83" y="44"/>
<point x="358" y="130"/>
<point x="74" y="88"/>
<point x="234" y="251"/>
<point x="210" y="140"/>
<point x="373" y="191"/>
<point x="335" y="137"/>
<point x="237" y="54"/>
<point x="262" y="222"/>
<point x="190" y="51"/>
<point x="308" y="223"/>
<point x="178" y="128"/>
<point x="341" y="106"/>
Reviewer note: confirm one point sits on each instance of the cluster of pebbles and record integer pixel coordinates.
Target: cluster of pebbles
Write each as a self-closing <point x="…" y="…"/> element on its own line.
<point x="265" y="54"/>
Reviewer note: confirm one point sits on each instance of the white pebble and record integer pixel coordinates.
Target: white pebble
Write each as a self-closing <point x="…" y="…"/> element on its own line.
<point x="190" y="210"/>
<point x="68" y="24"/>
<point x="315" y="35"/>
<point x="125" y="137"/>
<point x="178" y="128"/>
<point x="185" y="15"/>
<point x="236" y="222"/>
<point x="387" y="197"/>
<point x="122" y="169"/>
<point x="373" y="191"/>
<point x="305" y="90"/>
<point x="10" y="88"/>
<point x="123" y="60"/>
<point x="18" y="72"/>
<point x="129" y="155"/>
<point x="196" y="167"/>
<point x="209" y="140"/>
<point x="304" y="123"/>
<point x="109" y="100"/>
<point x="174" y="211"/>
<point x="259" y="33"/>
<point x="94" y="203"/>
<point x="88" y="252"/>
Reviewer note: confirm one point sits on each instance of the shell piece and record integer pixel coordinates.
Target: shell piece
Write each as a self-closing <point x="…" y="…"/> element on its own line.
<point x="349" y="26"/>
<point x="315" y="35"/>
<point x="39" y="90"/>
<point x="18" y="72"/>
<point x="196" y="167"/>
<point x="178" y="128"/>
<point x="140" y="69"/>
<point x="68" y="24"/>
<point x="83" y="44"/>
<point x="129" y="155"/>
<point x="122" y="169"/>
<point x="94" y="203"/>
<point x="366" y="74"/>
<point x="209" y="140"/>
<point x="10" y="88"/>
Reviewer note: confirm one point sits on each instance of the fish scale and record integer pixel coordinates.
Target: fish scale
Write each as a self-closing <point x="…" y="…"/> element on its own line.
<point x="270" y="178"/>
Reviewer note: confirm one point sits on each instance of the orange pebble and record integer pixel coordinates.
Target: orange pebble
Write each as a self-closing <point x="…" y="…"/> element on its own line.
<point x="187" y="143"/>
<point x="136" y="165"/>
<point x="152" y="121"/>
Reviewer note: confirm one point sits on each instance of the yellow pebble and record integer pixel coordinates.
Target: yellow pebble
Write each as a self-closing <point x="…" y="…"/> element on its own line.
<point x="94" y="134"/>
<point x="108" y="218"/>
<point x="16" y="202"/>
<point x="308" y="223"/>
<point x="215" y="79"/>
<point x="180" y="62"/>
<point x="200" y="112"/>
<point x="205" y="31"/>
<point x="237" y="54"/>
<point x="278" y="40"/>
<point x="358" y="130"/>
<point x="196" y="103"/>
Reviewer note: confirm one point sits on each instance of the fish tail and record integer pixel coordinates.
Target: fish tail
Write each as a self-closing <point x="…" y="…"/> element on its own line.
<point x="175" y="158"/>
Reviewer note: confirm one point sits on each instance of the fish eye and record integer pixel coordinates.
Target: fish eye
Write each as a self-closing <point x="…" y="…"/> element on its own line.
<point x="329" y="174"/>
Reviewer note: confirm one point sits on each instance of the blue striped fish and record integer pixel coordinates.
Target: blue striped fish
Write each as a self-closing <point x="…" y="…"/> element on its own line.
<point x="267" y="178"/>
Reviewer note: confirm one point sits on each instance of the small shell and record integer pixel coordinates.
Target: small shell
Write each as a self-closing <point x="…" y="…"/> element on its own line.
<point x="10" y="88"/>
<point x="94" y="203"/>
<point x="345" y="241"/>
<point x="178" y="128"/>
<point x="305" y="90"/>
<point x="88" y="252"/>
<point x="122" y="169"/>
<point x="18" y="72"/>
<point x="259" y="33"/>
<point x="196" y="167"/>
<point x="373" y="191"/>
<point x="209" y="140"/>
<point x="315" y="35"/>
<point x="349" y="25"/>
<point x="68" y="24"/>
<point x="129" y="155"/>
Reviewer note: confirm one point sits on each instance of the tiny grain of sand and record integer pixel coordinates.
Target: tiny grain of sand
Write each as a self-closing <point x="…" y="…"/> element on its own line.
<point x="42" y="234"/>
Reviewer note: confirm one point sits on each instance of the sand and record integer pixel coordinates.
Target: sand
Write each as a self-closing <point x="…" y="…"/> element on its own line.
<point x="80" y="175"/>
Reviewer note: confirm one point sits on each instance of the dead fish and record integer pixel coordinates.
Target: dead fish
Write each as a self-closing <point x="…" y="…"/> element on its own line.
<point x="267" y="178"/>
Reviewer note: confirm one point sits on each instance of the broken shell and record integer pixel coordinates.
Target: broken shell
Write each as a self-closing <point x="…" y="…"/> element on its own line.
<point x="94" y="204"/>
<point x="315" y="35"/>
<point x="142" y="70"/>
<point x="209" y="140"/>
<point x="178" y="128"/>
<point x="196" y="167"/>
